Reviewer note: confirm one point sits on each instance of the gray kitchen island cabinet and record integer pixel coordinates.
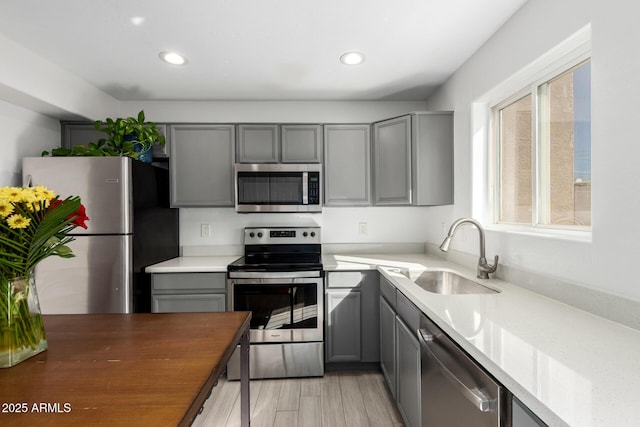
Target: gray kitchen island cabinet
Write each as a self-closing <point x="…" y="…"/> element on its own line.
<point x="347" y="160"/>
<point x="188" y="292"/>
<point x="413" y="160"/>
<point x="202" y="158"/>
<point x="352" y="321"/>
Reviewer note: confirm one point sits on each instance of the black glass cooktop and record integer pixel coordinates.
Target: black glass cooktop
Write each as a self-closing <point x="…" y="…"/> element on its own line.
<point x="277" y="262"/>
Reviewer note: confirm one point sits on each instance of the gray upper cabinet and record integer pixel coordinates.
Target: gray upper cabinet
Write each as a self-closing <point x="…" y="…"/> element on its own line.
<point x="258" y="143"/>
<point x="413" y="160"/>
<point x="432" y="158"/>
<point x="301" y="143"/>
<point x="202" y="158"/>
<point x="81" y="133"/>
<point x="392" y="161"/>
<point x="347" y="160"/>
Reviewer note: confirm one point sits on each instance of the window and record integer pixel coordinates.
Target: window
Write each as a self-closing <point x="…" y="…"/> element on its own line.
<point x="542" y="142"/>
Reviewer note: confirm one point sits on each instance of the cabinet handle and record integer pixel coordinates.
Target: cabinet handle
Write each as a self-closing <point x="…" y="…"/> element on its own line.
<point x="473" y="394"/>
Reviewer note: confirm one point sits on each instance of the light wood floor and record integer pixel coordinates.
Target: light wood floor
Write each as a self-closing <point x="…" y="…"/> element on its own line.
<point x="339" y="399"/>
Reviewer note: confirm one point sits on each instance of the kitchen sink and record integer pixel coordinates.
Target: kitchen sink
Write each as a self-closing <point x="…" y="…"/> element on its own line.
<point x="449" y="283"/>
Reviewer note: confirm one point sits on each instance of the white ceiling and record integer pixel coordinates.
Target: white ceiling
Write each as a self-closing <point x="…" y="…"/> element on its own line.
<point x="257" y="49"/>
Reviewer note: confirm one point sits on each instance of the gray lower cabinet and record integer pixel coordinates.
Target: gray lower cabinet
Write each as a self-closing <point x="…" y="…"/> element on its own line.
<point x="258" y="143"/>
<point x="408" y="372"/>
<point x="202" y="158"/>
<point x="347" y="160"/>
<point x="352" y="317"/>
<point x="388" y="344"/>
<point x="400" y="351"/>
<point x="343" y="326"/>
<point x="521" y="416"/>
<point x="188" y="292"/>
<point x="301" y="143"/>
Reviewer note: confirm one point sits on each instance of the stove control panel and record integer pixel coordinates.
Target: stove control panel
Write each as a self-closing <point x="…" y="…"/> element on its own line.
<point x="281" y="235"/>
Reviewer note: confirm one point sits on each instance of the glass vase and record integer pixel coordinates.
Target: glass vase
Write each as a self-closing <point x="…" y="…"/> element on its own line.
<point x="21" y="327"/>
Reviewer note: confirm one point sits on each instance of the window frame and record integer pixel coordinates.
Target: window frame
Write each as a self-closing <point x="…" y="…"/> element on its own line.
<point x="535" y="77"/>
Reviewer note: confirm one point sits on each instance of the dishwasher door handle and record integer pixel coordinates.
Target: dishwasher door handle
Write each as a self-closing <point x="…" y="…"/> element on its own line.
<point x="473" y="394"/>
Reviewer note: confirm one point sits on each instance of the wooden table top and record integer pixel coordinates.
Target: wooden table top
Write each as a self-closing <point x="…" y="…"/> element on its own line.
<point x="138" y="369"/>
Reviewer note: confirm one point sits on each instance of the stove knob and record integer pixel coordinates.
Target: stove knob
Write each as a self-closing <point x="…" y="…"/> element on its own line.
<point x="259" y="235"/>
<point x="313" y="234"/>
<point x="305" y="234"/>
<point x="252" y="234"/>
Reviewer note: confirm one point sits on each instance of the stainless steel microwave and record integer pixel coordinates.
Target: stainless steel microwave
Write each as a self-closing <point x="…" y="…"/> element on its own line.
<point x="282" y="187"/>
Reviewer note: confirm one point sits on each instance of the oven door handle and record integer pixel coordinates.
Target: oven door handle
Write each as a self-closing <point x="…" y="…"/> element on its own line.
<point x="473" y="394"/>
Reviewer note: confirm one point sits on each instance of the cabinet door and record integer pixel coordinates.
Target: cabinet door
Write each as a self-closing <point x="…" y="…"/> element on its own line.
<point x="388" y="344"/>
<point x="202" y="158"/>
<point x="347" y="160"/>
<point x="392" y="161"/>
<point x="370" y="319"/>
<point x="408" y="365"/>
<point x="343" y="326"/>
<point x="180" y="282"/>
<point x="258" y="143"/>
<point x="301" y="143"/>
<point x="81" y="133"/>
<point x="521" y="416"/>
<point x="432" y="157"/>
<point x="188" y="303"/>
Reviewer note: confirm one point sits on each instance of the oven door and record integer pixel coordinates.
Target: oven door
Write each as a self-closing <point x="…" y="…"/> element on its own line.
<point x="282" y="309"/>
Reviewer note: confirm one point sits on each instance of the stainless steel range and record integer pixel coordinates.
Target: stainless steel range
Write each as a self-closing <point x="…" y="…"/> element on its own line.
<point x="280" y="280"/>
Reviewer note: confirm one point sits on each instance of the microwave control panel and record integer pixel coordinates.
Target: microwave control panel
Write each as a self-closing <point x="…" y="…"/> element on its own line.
<point x="314" y="188"/>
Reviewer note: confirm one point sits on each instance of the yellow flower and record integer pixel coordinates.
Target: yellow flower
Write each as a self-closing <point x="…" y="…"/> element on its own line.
<point x="11" y="194"/>
<point x="6" y="208"/>
<point x="44" y="193"/>
<point x="18" y="221"/>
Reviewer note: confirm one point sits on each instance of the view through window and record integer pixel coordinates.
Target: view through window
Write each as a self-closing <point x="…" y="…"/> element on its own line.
<point x="544" y="153"/>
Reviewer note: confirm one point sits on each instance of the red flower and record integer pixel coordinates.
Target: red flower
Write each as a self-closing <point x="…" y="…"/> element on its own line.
<point x="79" y="216"/>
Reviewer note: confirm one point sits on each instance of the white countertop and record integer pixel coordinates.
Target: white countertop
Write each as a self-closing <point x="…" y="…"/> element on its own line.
<point x="568" y="366"/>
<point x="193" y="264"/>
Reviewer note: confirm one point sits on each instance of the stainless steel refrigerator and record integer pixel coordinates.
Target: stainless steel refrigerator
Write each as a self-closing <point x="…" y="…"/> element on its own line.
<point x="130" y="227"/>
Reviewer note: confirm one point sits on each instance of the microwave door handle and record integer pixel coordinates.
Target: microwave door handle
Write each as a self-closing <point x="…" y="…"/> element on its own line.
<point x="305" y="188"/>
<point x="473" y="394"/>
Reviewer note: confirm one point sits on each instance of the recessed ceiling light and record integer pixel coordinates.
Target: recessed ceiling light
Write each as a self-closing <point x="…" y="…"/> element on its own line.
<point x="137" y="20"/>
<point x="173" y="58"/>
<point x="352" y="58"/>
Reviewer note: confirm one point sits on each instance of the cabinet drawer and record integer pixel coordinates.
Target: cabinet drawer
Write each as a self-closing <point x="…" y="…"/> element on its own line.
<point x="345" y="279"/>
<point x="388" y="291"/>
<point x="182" y="281"/>
<point x="408" y="312"/>
<point x="188" y="303"/>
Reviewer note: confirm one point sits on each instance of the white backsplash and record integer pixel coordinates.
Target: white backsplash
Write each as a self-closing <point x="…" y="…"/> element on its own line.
<point x="339" y="225"/>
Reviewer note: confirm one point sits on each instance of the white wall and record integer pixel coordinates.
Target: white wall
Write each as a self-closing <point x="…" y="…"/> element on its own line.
<point x="24" y="133"/>
<point x="608" y="262"/>
<point x="339" y="225"/>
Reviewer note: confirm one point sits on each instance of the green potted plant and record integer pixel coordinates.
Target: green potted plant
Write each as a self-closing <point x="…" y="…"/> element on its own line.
<point x="130" y="136"/>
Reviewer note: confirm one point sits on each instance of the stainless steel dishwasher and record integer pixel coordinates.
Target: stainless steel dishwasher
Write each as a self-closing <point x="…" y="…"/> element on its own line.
<point x="456" y="391"/>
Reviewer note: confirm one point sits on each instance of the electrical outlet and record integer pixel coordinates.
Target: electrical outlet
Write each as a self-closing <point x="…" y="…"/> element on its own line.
<point x="205" y="230"/>
<point x="363" y="228"/>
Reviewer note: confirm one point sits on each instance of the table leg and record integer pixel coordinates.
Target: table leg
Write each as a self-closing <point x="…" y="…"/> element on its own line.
<point x="245" y="416"/>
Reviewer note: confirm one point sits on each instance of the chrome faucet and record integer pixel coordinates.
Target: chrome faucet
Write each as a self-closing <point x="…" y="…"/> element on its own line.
<point x="483" y="268"/>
